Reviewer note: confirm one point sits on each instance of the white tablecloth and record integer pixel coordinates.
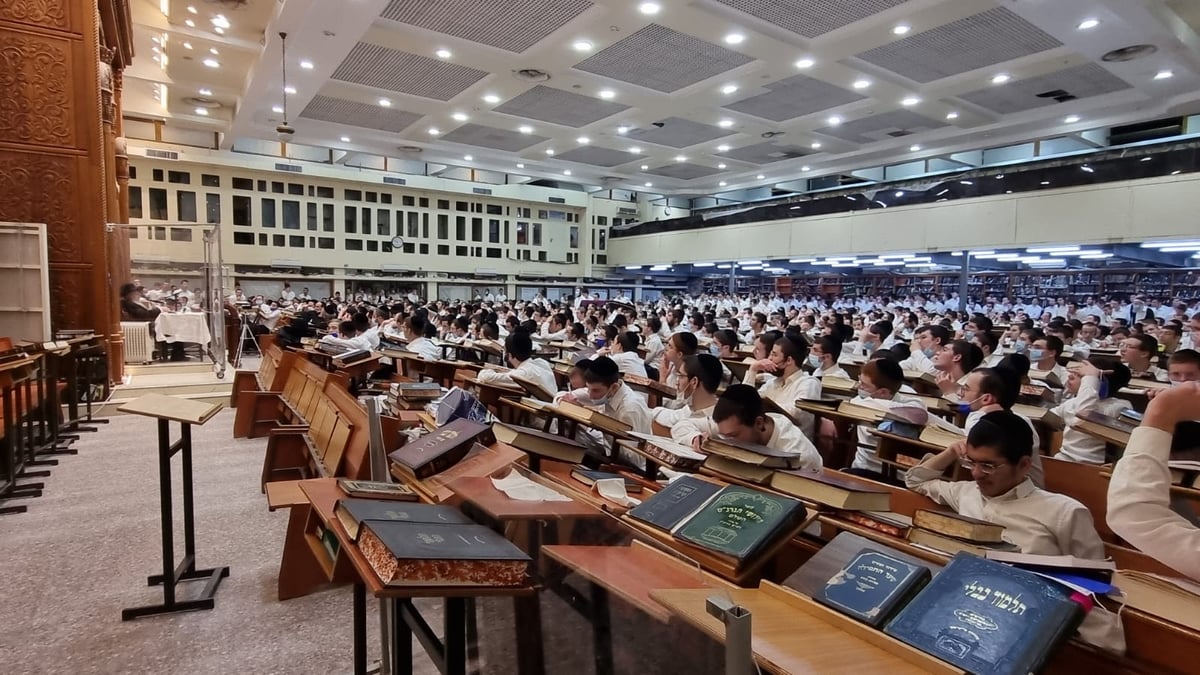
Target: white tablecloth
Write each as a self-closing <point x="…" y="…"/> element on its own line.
<point x="182" y="328"/>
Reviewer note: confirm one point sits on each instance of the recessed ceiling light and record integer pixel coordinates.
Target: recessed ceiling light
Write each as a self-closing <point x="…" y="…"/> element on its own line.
<point x="202" y="111"/>
<point x="345" y="139"/>
<point x="1001" y="78"/>
<point x="459" y="117"/>
<point x="729" y="89"/>
<point x="385" y="102"/>
<point x="566" y="172"/>
<point x="205" y="91"/>
<point x="806" y="168"/>
<point x="219" y="31"/>
<point x="722" y="184"/>
<point x="220" y="21"/>
<point x="583" y="140"/>
<point x="191" y="9"/>
<point x="607" y="94"/>
<point x="1071" y="119"/>
<point x="1088" y="24"/>
<point x="187" y="45"/>
<point x="277" y="109"/>
<point x="306" y="64"/>
<point x="581" y="46"/>
<point x="212" y="63"/>
<point x="433" y="131"/>
<point x="760" y="176"/>
<point x="635" y="150"/>
<point x="468" y="158"/>
<point x="189" y="23"/>
<point x="951" y="115"/>
<point x="910" y="101"/>
<point x="1164" y="75"/>
<point x="622" y="130"/>
<point x="156" y="50"/>
<point x="725" y="124"/>
<point x="289" y="89"/>
<point x="491" y="98"/>
<point x="722" y="148"/>
<point x="645" y="167"/>
<point x="213" y="51"/>
<point x="649" y="8"/>
<point x="680" y="158"/>
<point x="721" y="165"/>
<point x="520" y="165"/>
<point x="901" y="29"/>
<point x="735" y="39"/>
<point x="443" y="53"/>
<point x="804" y="64"/>
<point x="862" y="84"/>
<point x="816" y="145"/>
<point x="549" y="151"/>
<point x="649" y="184"/>
<point x="834" y="120"/>
<point x="525" y="129"/>
<point x="914" y="148"/>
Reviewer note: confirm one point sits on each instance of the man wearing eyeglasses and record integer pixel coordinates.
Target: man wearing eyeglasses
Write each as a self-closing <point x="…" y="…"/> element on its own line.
<point x="998" y="453"/>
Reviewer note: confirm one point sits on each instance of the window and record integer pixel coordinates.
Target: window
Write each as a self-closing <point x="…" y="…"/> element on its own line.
<point x="133" y="232"/>
<point x="423" y="202"/>
<point x="262" y="186"/>
<point x="212" y="208"/>
<point x="295" y="189"/>
<point x="574" y="236"/>
<point x="460" y="228"/>
<point x="407" y="200"/>
<point x="243" y="238"/>
<point x="324" y="192"/>
<point x="291" y="214"/>
<point x="241" y="211"/>
<point x="277" y="187"/>
<point x="325" y="242"/>
<point x="372" y="197"/>
<point x="493" y="231"/>
<point x="262" y="240"/>
<point x="476" y="207"/>
<point x="312" y="215"/>
<point x="372" y="245"/>
<point x="493" y="253"/>
<point x="506" y="228"/>
<point x="383" y="219"/>
<point x="460" y="206"/>
<point x="159" y="233"/>
<point x="157" y="174"/>
<point x="495" y="210"/>
<point x="541" y="256"/>
<point x="354" y="195"/>
<point x="522" y="234"/>
<point x="443" y="224"/>
<point x="602" y="220"/>
<point x="278" y="240"/>
<point x="243" y="184"/>
<point x="351" y="224"/>
<point x="413" y="229"/>
<point x="135" y="202"/>
<point x="443" y="204"/>
<point x="423" y="249"/>
<point x="312" y="191"/>
<point x="185" y="204"/>
<point x="525" y="254"/>
<point x="366" y="220"/>
<point x="385" y="197"/>
<point x="603" y="239"/>
<point x="602" y="260"/>
<point x="477" y="229"/>
<point x="524" y="212"/>
<point x="158" y="204"/>
<point x="327" y="217"/>
<point x="181" y="234"/>
<point x="424" y="225"/>
<point x="460" y="251"/>
<point x="410" y="247"/>
<point x="354" y="245"/>
<point x="443" y="249"/>
<point x="537" y="235"/>
<point x="133" y="173"/>
<point x="268" y="213"/>
<point x="477" y="251"/>
<point x="209" y="180"/>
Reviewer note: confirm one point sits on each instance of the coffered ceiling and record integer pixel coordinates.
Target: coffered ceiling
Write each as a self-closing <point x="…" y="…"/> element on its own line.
<point x="690" y="97"/>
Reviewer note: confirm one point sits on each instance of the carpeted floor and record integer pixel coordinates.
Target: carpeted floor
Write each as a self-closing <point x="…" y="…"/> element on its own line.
<point x="83" y="550"/>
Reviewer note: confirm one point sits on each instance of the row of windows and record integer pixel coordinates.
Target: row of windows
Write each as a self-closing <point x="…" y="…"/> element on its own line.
<point x="371" y="245"/>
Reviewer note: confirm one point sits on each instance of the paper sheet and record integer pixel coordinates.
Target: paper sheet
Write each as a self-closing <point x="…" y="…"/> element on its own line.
<point x="522" y="489"/>
<point x="613" y="489"/>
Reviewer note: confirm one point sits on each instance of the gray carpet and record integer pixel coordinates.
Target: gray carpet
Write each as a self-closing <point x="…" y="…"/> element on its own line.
<point x="83" y="551"/>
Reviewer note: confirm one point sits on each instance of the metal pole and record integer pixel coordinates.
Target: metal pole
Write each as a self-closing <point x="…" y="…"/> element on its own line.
<point x="739" y="651"/>
<point x="963" y="277"/>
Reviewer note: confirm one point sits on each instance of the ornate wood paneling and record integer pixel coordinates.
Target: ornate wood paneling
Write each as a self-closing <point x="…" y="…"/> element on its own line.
<point x="36" y="76"/>
<point x="36" y="188"/>
<point x="47" y="13"/>
<point x="71" y="281"/>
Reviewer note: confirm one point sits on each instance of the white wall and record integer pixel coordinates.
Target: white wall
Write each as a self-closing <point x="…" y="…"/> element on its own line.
<point x="1127" y="211"/>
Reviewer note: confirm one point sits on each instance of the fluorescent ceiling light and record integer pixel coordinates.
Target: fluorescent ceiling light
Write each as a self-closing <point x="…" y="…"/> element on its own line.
<point x="725" y="124"/>
<point x="1071" y="119"/>
<point x="433" y="131"/>
<point x="277" y="109"/>
<point x="746" y="263"/>
<point x="1096" y="256"/>
<point x="951" y="115"/>
<point x="525" y="129"/>
<point x="635" y="150"/>
<point x="802" y="260"/>
<point x="581" y="46"/>
<point x="722" y="165"/>
<point x="806" y="168"/>
<point x="1051" y="261"/>
<point x="901" y="29"/>
<point x="1179" y="249"/>
<point x="660" y="268"/>
<point x="729" y="89"/>
<point x="622" y="130"/>
<point x="1160" y="244"/>
<point x="760" y="177"/>
<point x="979" y="253"/>
<point x="607" y="94"/>
<point x="834" y="120"/>
<point x="849" y="264"/>
<point x="385" y="103"/>
<point x="212" y="63"/>
<point x="461" y="117"/>
<point x="1008" y="256"/>
<point x="1164" y="75"/>
<point x="889" y="263"/>
<point x="804" y="64"/>
<point x="908" y="101"/>
<point x="703" y="264"/>
<point x="583" y="140"/>
<point x="1051" y="249"/>
<point x="491" y="98"/>
<point x="443" y="53"/>
<point x="722" y="184"/>
<point x="920" y="264"/>
<point x="1001" y="78"/>
<point x="862" y="83"/>
<point x="345" y="139"/>
<point x="1088" y="24"/>
<point x="468" y="158"/>
<point x="724" y="267"/>
<point x="722" y="148"/>
<point x="735" y="39"/>
<point x="649" y="8"/>
<point x="633" y="267"/>
<point x="914" y="148"/>
<point x="306" y="64"/>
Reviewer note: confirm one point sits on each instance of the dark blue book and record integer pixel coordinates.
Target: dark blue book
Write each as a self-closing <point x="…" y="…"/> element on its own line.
<point x="675" y="502"/>
<point x="987" y="617"/>
<point x="873" y="586"/>
<point x="351" y="512"/>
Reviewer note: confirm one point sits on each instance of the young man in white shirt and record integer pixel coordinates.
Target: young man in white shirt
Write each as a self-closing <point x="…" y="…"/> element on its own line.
<point x="823" y="355"/>
<point x="785" y="382"/>
<point x="1139" y="494"/>
<point x="414" y="333"/>
<point x="1138" y="353"/>
<point x="928" y="340"/>
<point x="288" y="295"/>
<point x="1083" y="385"/>
<point x="613" y="397"/>
<point x="623" y="352"/>
<point x="518" y="353"/>
<point x="989" y="390"/>
<point x="879" y="384"/>
<point x="1043" y="355"/>
<point x="701" y="375"/>
<point x="739" y="415"/>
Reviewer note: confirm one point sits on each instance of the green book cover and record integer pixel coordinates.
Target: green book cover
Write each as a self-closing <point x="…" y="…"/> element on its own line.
<point x="739" y="521"/>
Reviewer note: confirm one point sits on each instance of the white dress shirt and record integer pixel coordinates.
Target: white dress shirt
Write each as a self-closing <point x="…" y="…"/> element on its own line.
<point x="865" y="456"/>
<point x="534" y="370"/>
<point x="788" y="438"/>
<point x="1076" y="445"/>
<point x="426" y="349"/>
<point x="1036" y="473"/>
<point x="629" y="362"/>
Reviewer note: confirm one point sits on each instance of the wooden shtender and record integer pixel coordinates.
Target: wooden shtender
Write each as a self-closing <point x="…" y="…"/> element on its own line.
<point x="181" y="410"/>
<point x="794" y="634"/>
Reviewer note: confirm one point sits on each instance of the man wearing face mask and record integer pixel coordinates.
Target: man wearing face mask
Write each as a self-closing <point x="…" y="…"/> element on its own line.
<point x="702" y="379"/>
<point x="989" y="390"/>
<point x="739" y="415"/>
<point x="1182" y="367"/>
<point x="877" y="336"/>
<point x="1043" y="355"/>
<point x="607" y="392"/>
<point x="788" y="382"/>
<point x="823" y="358"/>
<point x="518" y="352"/>
<point x="879" y="385"/>
<point x="953" y="361"/>
<point x="929" y="339"/>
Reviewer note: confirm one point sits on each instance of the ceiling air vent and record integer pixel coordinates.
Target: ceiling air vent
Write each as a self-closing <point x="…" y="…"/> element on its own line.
<point x="392" y="180"/>
<point x="162" y="154"/>
<point x="899" y="133"/>
<point x="772" y="134"/>
<point x="414" y="149"/>
<point x="531" y="75"/>
<point x="1129" y="53"/>
<point x="291" y="168"/>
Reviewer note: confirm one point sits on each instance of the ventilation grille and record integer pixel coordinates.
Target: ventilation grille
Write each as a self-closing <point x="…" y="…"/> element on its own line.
<point x="556" y="106"/>
<point x="291" y="168"/>
<point x="162" y="154"/>
<point x="662" y="59"/>
<point x="394" y="70"/>
<point x="511" y="25"/>
<point x="811" y="18"/>
<point x="558" y="200"/>
<point x="392" y="180"/>
<point x="626" y="211"/>
<point x="482" y="191"/>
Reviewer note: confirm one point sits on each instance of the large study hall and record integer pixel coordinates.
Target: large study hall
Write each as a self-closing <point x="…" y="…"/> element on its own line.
<point x="600" y="336"/>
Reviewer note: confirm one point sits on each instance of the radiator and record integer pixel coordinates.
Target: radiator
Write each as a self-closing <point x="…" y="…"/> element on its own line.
<point x="139" y="343"/>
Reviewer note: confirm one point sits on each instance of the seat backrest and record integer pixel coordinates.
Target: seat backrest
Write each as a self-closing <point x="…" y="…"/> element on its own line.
<point x="338" y="440"/>
<point x="1083" y="483"/>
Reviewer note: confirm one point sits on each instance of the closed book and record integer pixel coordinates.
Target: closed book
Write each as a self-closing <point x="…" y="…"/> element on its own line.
<point x="675" y="502"/>
<point x="1095" y="569"/>
<point x="861" y="412"/>
<point x="723" y="466"/>
<point x="749" y="453"/>
<point x="589" y="477"/>
<point x="873" y="586"/>
<point x="593" y="418"/>
<point x="952" y="545"/>
<point x="370" y="489"/>
<point x="416" y="390"/>
<point x="533" y="388"/>
<point x="887" y="522"/>
<point x="1176" y="600"/>
<point x="838" y="385"/>
<point x="833" y="489"/>
<point x="1110" y="429"/>
<point x="352" y="512"/>
<point x="666" y="451"/>
<point x="956" y="525"/>
<point x="739" y="522"/>
<point x="439" y="449"/>
<point x="429" y="554"/>
<point x="987" y="618"/>
<point x="540" y="443"/>
<point x="351" y="357"/>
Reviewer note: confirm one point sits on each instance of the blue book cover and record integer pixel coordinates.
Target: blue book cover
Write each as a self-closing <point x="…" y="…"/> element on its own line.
<point x="675" y="502"/>
<point x="873" y="586"/>
<point x="987" y="617"/>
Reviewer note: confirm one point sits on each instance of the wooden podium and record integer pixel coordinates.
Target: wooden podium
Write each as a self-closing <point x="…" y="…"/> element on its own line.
<point x="168" y="409"/>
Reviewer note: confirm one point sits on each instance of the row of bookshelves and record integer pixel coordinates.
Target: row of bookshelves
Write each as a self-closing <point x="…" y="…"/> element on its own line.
<point x="1078" y="286"/>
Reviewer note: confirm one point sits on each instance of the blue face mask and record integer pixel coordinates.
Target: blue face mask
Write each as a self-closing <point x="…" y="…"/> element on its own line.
<point x="929" y="352"/>
<point x="1020" y="346"/>
<point x="814" y="360"/>
<point x="969" y="335"/>
<point x="870" y="346"/>
<point x="862" y="395"/>
<point x="1036" y="354"/>
<point x="714" y="349"/>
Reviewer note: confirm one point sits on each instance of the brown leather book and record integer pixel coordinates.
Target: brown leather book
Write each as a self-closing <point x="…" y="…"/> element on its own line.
<point x="593" y="418"/>
<point x="749" y="453"/>
<point x="540" y="443"/>
<point x="832" y="489"/>
<point x="439" y="449"/>
<point x="958" y="526"/>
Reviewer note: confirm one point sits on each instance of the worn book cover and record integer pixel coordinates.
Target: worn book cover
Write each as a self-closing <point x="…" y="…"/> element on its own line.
<point x="370" y="489"/>
<point x="540" y="443"/>
<point x="724" y="467"/>
<point x="887" y="522"/>
<point x="952" y="545"/>
<point x="873" y="586"/>
<point x="675" y="455"/>
<point x="416" y="390"/>
<point x="832" y="488"/>
<point x="957" y="525"/>
<point x="675" y="502"/>
<point x="750" y="453"/>
<point x="740" y="521"/>
<point x="987" y="617"/>
<point x="439" y="449"/>
<point x="351" y="512"/>
<point x="409" y="554"/>
<point x="589" y="477"/>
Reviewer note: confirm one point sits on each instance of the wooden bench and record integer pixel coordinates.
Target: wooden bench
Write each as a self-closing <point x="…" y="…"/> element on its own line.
<point x="312" y="450"/>
<point x="293" y="392"/>
<point x="250" y="386"/>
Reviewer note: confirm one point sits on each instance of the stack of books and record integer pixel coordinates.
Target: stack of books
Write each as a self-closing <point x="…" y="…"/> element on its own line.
<point x="438" y="450"/>
<point x="412" y="395"/>
<point x="951" y="533"/>
<point x="746" y="461"/>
